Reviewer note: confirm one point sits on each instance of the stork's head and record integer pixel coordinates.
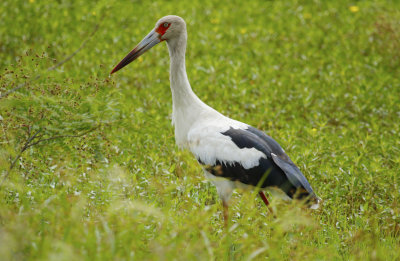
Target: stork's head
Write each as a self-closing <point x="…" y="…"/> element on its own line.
<point x="168" y="28"/>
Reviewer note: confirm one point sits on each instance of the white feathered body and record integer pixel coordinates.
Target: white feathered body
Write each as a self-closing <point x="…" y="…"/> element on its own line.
<point x="202" y="130"/>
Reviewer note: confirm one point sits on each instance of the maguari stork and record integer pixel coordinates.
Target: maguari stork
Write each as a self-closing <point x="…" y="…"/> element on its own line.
<point x="232" y="154"/>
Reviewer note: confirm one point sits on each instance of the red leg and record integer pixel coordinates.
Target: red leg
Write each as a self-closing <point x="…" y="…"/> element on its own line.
<point x="226" y="213"/>
<point x="264" y="198"/>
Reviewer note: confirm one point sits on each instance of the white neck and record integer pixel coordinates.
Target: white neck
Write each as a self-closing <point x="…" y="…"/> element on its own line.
<point x="186" y="105"/>
<point x="182" y="94"/>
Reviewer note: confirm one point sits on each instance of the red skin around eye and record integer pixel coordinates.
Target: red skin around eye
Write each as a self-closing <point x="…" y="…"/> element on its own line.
<point x="161" y="29"/>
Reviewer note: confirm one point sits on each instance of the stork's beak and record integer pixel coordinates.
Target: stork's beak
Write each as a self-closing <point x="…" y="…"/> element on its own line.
<point x="149" y="41"/>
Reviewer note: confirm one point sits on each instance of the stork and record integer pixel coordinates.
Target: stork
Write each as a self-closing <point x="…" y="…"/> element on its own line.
<point x="232" y="154"/>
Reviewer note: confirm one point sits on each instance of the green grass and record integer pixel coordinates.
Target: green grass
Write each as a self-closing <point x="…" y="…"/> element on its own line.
<point x="320" y="77"/>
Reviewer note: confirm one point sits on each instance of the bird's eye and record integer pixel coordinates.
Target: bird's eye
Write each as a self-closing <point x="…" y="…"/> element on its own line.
<point x="165" y="25"/>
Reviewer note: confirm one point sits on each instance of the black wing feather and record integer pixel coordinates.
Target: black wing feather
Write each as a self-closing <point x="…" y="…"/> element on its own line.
<point x="275" y="170"/>
<point x="281" y="159"/>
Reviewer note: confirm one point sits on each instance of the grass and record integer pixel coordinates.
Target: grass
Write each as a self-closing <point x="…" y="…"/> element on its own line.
<point x="105" y="180"/>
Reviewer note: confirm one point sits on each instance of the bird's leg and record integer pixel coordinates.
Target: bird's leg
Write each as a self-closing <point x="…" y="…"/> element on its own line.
<point x="264" y="198"/>
<point x="226" y="213"/>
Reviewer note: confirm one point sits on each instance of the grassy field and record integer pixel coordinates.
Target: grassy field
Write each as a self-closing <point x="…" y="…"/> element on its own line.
<point x="89" y="168"/>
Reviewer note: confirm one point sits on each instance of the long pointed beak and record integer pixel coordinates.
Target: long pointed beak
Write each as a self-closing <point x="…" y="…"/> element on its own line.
<point x="149" y="41"/>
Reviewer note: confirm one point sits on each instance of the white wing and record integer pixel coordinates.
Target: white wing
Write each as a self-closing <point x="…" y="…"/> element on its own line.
<point x="208" y="144"/>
